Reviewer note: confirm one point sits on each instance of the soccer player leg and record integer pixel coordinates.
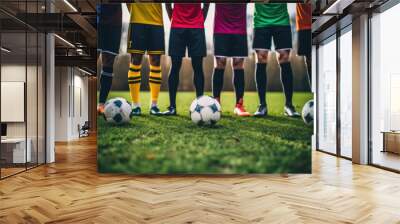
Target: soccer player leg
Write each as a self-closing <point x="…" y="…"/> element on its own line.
<point x="239" y="83"/>
<point x="177" y="49"/>
<point x="197" y="50"/>
<point x="218" y="77"/>
<point x="262" y="46"/>
<point x="173" y="83"/>
<point x="134" y="80"/>
<point x="106" y="77"/>
<point x="283" y="40"/>
<point x="286" y="75"/>
<point x="238" y="51"/>
<point x="238" y="78"/>
<point x="155" y="82"/>
<point x="198" y="77"/>
<point x="137" y="45"/>
<point x="287" y="82"/>
<point x="108" y="46"/>
<point x="220" y="51"/>
<point x="156" y="47"/>
<point x="261" y="81"/>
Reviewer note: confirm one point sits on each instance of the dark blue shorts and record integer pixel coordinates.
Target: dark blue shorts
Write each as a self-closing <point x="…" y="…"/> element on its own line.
<point x="304" y="42"/>
<point x="108" y="38"/>
<point x="230" y="45"/>
<point x="109" y="25"/>
<point x="282" y="36"/>
<point x="146" y="38"/>
<point x="194" y="39"/>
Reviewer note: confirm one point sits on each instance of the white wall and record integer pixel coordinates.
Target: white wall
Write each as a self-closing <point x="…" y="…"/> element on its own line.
<point x="16" y="73"/>
<point x="12" y="73"/>
<point x="33" y="126"/>
<point x="80" y="97"/>
<point x="61" y="104"/>
<point x="71" y="102"/>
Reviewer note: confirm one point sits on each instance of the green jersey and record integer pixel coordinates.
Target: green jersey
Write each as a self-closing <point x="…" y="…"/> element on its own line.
<point x="271" y="14"/>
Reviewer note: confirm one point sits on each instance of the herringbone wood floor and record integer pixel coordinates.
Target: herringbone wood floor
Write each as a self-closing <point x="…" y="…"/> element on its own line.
<point x="71" y="191"/>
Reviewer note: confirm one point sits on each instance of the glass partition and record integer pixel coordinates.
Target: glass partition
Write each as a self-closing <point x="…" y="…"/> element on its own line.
<point x="22" y="101"/>
<point x="13" y="103"/>
<point x="31" y="98"/>
<point x="41" y="97"/>
<point x="346" y="92"/>
<point x="385" y="89"/>
<point x="326" y="107"/>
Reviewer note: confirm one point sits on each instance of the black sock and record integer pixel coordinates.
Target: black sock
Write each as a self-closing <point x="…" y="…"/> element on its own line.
<point x="173" y="79"/>
<point x="238" y="83"/>
<point x="198" y="78"/>
<point x="106" y="78"/>
<point x="287" y="82"/>
<point x="218" y="81"/>
<point x="261" y="81"/>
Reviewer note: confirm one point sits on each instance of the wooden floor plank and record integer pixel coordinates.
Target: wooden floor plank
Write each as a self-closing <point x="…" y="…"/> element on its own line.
<point x="71" y="191"/>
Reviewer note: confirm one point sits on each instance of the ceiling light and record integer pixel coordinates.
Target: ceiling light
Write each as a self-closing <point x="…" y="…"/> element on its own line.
<point x="70" y="5"/>
<point x="5" y="50"/>
<point x="337" y="7"/>
<point x="79" y="51"/>
<point x="331" y="7"/>
<point x="84" y="71"/>
<point x="65" y="41"/>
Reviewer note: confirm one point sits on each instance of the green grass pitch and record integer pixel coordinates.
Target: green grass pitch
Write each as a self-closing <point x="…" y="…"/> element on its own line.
<point x="236" y="145"/>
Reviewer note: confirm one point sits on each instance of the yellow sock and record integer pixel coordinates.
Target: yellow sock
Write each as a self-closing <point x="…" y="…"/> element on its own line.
<point x="134" y="79"/>
<point x="155" y="82"/>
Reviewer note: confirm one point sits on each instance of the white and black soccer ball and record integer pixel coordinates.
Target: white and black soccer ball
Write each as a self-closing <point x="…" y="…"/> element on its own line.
<point x="117" y="111"/>
<point x="205" y="110"/>
<point x="308" y="112"/>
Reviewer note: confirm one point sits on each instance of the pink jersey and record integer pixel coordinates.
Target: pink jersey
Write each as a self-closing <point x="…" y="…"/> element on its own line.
<point x="230" y="18"/>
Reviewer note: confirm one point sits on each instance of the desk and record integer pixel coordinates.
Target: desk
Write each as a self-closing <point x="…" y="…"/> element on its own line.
<point x="15" y="148"/>
<point x="391" y="141"/>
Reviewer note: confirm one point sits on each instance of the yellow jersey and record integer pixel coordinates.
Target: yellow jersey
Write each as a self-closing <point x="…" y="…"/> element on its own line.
<point x="146" y="13"/>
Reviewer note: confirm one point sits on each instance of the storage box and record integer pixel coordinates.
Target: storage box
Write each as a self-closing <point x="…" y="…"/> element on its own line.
<point x="391" y="142"/>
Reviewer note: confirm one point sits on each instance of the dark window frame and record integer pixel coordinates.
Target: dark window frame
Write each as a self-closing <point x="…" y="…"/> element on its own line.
<point x="332" y="37"/>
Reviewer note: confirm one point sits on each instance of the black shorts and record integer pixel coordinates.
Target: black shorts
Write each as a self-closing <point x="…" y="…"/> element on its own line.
<point x="230" y="45"/>
<point x="109" y="38"/>
<point x="282" y="36"/>
<point x="192" y="38"/>
<point x="304" y="42"/>
<point x="145" y="37"/>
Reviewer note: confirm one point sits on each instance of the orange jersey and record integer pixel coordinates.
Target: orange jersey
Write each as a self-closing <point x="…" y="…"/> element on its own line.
<point x="303" y="16"/>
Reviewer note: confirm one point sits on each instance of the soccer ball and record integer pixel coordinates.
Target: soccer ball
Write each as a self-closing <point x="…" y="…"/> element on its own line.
<point x="205" y="110"/>
<point x="308" y="112"/>
<point x="117" y="111"/>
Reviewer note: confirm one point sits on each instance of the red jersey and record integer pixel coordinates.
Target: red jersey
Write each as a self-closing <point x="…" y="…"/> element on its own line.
<point x="187" y="15"/>
<point x="303" y="16"/>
